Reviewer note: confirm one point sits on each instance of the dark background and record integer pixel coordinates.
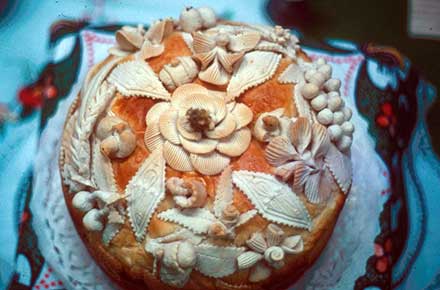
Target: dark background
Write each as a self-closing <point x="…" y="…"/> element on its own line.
<point x="383" y="22"/>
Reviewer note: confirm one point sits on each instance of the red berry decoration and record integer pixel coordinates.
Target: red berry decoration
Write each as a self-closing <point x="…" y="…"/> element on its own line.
<point x="382" y="121"/>
<point x="382" y="265"/>
<point x="51" y="92"/>
<point x="387" y="109"/>
<point x="30" y="97"/>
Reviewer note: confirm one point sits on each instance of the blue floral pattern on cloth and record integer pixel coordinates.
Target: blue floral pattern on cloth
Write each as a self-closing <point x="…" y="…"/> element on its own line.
<point x="389" y="95"/>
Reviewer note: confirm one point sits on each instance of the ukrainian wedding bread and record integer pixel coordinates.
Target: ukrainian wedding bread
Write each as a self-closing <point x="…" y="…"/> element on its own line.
<point x="206" y="154"/>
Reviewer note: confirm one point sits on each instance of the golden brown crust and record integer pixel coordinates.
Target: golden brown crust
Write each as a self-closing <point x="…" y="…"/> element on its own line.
<point x="126" y="261"/>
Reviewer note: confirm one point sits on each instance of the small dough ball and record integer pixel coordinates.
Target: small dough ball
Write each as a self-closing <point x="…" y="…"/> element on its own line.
<point x="309" y="91"/>
<point x="347" y="128"/>
<point x="335" y="132"/>
<point x="319" y="103"/>
<point x="321" y="61"/>
<point x="318" y="79"/>
<point x="325" y="117"/>
<point x="338" y="118"/>
<point x="344" y="143"/>
<point x="332" y="85"/>
<point x="83" y="201"/>
<point x="334" y="102"/>
<point x="326" y="70"/>
<point x="190" y="19"/>
<point x="347" y="113"/>
<point x="309" y="74"/>
<point x="209" y="19"/>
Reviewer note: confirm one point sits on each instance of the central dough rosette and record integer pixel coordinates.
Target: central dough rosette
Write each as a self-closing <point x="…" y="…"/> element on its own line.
<point x="198" y="130"/>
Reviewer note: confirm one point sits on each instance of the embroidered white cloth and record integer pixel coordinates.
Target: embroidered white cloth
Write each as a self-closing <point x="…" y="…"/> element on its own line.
<point x="343" y="259"/>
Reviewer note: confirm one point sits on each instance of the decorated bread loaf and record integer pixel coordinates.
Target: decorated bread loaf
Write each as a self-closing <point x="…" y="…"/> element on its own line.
<point x="206" y="154"/>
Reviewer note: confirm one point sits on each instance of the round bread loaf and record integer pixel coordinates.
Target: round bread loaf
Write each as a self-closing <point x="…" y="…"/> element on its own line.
<point x="205" y="154"/>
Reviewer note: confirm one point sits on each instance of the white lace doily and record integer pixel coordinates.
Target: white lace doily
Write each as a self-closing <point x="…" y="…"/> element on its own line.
<point x="58" y="240"/>
<point x="341" y="263"/>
